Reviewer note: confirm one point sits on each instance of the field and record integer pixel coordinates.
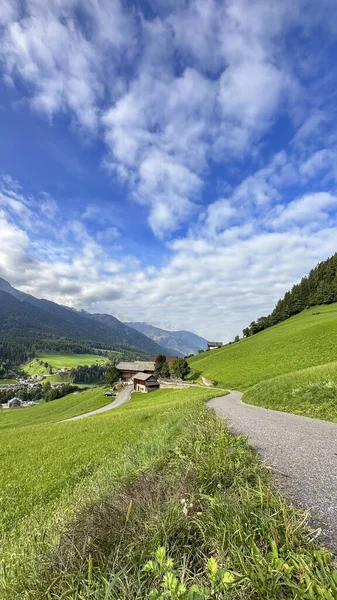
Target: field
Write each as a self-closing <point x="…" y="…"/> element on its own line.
<point x="58" y="378"/>
<point x="311" y="392"/>
<point x="185" y="499"/>
<point x="61" y="361"/>
<point x="306" y="340"/>
<point x="156" y="499"/>
<point x="45" y="467"/>
<point x="57" y="410"/>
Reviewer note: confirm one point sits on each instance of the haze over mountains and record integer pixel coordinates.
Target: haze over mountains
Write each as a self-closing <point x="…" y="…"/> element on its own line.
<point x="181" y="342"/>
<point x="25" y="317"/>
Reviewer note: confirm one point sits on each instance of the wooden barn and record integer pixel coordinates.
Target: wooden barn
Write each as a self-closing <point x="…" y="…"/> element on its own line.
<point x="145" y="382"/>
<point x="127" y="370"/>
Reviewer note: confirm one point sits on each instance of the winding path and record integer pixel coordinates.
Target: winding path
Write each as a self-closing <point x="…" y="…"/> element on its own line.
<point x="120" y="399"/>
<point x="301" y="451"/>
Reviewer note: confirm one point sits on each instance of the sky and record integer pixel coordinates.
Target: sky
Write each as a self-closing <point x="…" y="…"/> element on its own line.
<point x="173" y="162"/>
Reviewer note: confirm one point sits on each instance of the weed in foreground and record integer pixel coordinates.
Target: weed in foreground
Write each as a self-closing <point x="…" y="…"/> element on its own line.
<point x="206" y="522"/>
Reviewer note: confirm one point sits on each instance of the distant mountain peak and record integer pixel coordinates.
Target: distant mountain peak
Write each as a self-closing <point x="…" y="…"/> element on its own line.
<point x="175" y="342"/>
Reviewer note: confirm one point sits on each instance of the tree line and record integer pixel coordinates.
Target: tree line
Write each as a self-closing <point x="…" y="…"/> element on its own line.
<point x="40" y="392"/>
<point x="85" y="374"/>
<point x="319" y="287"/>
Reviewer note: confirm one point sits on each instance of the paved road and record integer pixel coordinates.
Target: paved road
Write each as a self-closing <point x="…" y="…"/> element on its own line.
<point x="120" y="399"/>
<point x="301" y="451"/>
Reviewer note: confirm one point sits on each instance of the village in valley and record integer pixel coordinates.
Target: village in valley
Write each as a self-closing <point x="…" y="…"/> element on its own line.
<point x="160" y="371"/>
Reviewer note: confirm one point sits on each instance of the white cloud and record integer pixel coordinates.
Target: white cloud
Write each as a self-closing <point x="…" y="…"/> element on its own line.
<point x="201" y="81"/>
<point x="310" y="208"/>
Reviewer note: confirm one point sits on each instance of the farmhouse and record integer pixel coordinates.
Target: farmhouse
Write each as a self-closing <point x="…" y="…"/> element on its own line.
<point x="127" y="370"/>
<point x="213" y="345"/>
<point x="145" y="382"/>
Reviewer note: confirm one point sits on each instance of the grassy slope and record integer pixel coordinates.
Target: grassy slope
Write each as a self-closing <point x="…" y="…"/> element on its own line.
<point x="306" y="340"/>
<point x="60" y="361"/>
<point x="58" y="410"/>
<point x="42" y="465"/>
<point x="311" y="392"/>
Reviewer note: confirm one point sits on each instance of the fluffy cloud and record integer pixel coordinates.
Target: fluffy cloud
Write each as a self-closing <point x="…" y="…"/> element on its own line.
<point x="202" y="81"/>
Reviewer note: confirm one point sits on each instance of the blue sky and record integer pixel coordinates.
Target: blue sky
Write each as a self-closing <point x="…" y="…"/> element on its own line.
<point x="168" y="162"/>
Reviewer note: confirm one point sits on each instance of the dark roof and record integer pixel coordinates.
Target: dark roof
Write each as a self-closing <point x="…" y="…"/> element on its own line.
<point x="140" y="366"/>
<point x="143" y="376"/>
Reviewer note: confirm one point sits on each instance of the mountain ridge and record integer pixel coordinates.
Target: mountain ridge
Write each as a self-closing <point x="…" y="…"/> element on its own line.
<point x="41" y="316"/>
<point x="179" y="342"/>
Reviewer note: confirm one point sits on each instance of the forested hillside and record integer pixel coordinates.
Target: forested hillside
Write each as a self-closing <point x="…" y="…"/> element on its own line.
<point x="319" y="287"/>
<point x="28" y="324"/>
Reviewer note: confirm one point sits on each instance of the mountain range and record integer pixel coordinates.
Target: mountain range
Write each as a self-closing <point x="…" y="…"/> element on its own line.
<point x="23" y="315"/>
<point x="40" y="323"/>
<point x="180" y="343"/>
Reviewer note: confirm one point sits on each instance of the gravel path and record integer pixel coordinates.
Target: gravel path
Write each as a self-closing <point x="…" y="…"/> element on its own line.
<point x="301" y="451"/>
<point x="120" y="399"/>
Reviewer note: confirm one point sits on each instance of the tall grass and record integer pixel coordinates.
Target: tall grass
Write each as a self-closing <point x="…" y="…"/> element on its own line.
<point x="204" y="522"/>
<point x="48" y="469"/>
<point x="311" y="392"/>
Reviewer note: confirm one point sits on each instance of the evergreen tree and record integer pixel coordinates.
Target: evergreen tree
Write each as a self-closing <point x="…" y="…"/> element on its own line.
<point x="180" y="368"/>
<point x="161" y="366"/>
<point x="112" y="375"/>
<point x="319" y="287"/>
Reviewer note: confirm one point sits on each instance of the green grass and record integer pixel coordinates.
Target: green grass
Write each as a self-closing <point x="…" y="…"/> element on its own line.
<point x="306" y="340"/>
<point x="204" y="522"/>
<point x="7" y="381"/>
<point x="61" y="361"/>
<point x="57" y="378"/>
<point x="46" y="468"/>
<point x="57" y="410"/>
<point x="311" y="392"/>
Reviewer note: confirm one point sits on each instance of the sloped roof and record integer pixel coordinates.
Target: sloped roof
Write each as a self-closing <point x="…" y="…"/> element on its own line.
<point x="136" y="366"/>
<point x="143" y="376"/>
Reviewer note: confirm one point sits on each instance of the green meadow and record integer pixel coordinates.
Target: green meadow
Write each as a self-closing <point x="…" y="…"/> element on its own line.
<point x="7" y="381"/>
<point x="61" y="361"/>
<point x="311" y="392"/>
<point x="47" y="466"/>
<point x="156" y="499"/>
<point x="309" y="339"/>
<point x="57" y="410"/>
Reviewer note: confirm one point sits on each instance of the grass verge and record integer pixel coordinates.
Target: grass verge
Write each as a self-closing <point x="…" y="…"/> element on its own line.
<point x="204" y="522"/>
<point x="311" y="392"/>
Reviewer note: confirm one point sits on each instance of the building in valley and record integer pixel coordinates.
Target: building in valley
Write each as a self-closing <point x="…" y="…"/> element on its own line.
<point x="127" y="370"/>
<point x="145" y="382"/>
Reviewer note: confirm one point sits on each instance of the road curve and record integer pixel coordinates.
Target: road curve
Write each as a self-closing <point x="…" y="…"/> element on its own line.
<point x="120" y="399"/>
<point x="301" y="451"/>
